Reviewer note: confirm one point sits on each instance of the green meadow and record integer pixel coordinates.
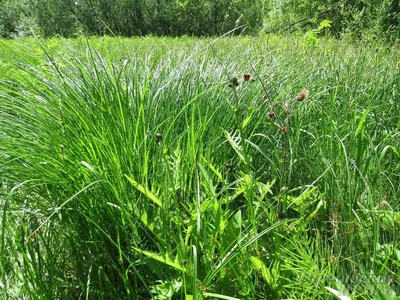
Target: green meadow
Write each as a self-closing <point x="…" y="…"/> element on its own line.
<point x="184" y="168"/>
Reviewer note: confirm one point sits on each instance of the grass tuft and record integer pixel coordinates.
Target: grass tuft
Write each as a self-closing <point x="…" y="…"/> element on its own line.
<point x="144" y="168"/>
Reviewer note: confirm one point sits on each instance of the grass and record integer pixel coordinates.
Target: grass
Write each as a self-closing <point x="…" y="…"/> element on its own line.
<point x="131" y="170"/>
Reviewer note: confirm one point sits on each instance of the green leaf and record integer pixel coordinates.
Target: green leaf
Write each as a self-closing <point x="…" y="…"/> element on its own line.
<point x="324" y="24"/>
<point x="246" y="121"/>
<point x="265" y="272"/>
<point x="219" y="296"/>
<point x="215" y="171"/>
<point x="234" y="141"/>
<point x="300" y="203"/>
<point x="360" y="127"/>
<point x="148" y="225"/>
<point x="338" y="294"/>
<point x="163" y="258"/>
<point x="145" y="191"/>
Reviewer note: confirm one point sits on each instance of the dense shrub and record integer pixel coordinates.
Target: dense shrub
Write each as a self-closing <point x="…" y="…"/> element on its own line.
<point x="191" y="17"/>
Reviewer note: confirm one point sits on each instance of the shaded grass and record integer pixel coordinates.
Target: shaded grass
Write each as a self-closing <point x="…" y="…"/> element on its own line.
<point x="95" y="205"/>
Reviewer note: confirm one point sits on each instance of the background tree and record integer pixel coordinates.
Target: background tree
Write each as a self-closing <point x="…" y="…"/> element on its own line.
<point x="200" y="18"/>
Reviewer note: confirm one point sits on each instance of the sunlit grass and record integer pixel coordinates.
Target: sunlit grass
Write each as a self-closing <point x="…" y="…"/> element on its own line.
<point x="131" y="169"/>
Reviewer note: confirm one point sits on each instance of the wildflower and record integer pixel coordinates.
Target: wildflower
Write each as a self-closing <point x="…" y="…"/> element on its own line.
<point x="302" y="95"/>
<point x="271" y="114"/>
<point x="248" y="77"/>
<point x="233" y="82"/>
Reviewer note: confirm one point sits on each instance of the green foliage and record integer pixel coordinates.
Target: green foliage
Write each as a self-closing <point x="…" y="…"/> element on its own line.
<point x="348" y="17"/>
<point x="17" y="19"/>
<point x="55" y="17"/>
<point x="369" y="19"/>
<point x="128" y="17"/>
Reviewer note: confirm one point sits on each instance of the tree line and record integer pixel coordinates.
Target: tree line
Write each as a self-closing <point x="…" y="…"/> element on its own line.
<point x="68" y="18"/>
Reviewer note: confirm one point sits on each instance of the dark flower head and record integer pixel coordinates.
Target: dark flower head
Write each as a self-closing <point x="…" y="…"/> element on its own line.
<point x="124" y="59"/>
<point x="233" y="82"/>
<point x="159" y="137"/>
<point x="272" y="114"/>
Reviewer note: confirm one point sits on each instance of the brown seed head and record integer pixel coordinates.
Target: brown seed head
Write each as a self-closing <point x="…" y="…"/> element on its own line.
<point x="272" y="114"/>
<point x="302" y="95"/>
<point x="382" y="204"/>
<point x="248" y="77"/>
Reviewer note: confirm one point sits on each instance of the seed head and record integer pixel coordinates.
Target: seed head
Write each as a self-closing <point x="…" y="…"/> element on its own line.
<point x="272" y="114"/>
<point x="302" y="95"/>
<point x="248" y="77"/>
<point x="233" y="82"/>
<point x="332" y="259"/>
<point x="123" y="59"/>
<point x="159" y="138"/>
<point x="382" y="204"/>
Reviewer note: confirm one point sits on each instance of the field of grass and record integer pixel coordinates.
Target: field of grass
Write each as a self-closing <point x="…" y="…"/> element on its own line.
<point x="141" y="169"/>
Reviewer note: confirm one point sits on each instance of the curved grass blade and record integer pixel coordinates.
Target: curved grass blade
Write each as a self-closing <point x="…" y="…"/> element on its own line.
<point x="338" y="294"/>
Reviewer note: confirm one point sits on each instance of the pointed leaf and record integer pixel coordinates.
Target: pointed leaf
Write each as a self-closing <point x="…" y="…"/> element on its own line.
<point x="265" y="272"/>
<point x="338" y="294"/>
<point x="145" y="191"/>
<point x="163" y="258"/>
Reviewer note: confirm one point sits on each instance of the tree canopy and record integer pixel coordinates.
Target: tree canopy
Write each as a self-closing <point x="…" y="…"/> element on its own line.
<point x="192" y="17"/>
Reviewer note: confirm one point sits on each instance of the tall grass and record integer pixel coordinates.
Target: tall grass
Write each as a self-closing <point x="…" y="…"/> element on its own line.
<point x="131" y="169"/>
